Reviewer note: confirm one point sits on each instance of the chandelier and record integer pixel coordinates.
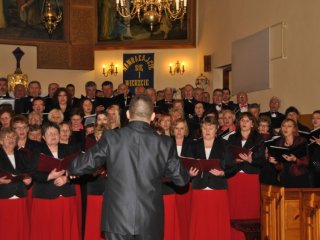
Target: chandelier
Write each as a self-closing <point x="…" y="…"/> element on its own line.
<point x="51" y="15"/>
<point x="151" y="11"/>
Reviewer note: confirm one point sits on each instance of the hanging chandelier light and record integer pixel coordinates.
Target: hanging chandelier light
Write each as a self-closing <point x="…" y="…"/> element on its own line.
<point x="151" y="11"/>
<point x="51" y="15"/>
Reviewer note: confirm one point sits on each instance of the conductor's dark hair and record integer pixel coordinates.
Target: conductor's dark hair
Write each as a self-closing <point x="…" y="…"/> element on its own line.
<point x="141" y="106"/>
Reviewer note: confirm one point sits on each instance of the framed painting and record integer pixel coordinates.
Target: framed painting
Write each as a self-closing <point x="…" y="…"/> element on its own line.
<point x="21" y="20"/>
<point x="116" y="32"/>
<point x="72" y="43"/>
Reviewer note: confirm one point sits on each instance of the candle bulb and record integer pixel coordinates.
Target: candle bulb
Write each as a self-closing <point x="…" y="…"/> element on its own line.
<point x="177" y="5"/>
<point x="103" y="69"/>
<point x="185" y="3"/>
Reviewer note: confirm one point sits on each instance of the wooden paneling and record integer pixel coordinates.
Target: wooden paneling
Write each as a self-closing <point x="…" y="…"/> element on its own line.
<point x="305" y="119"/>
<point x="290" y="214"/>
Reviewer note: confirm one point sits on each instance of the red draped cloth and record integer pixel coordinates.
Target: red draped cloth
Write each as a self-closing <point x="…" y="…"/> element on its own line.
<point x="14" y="219"/>
<point x="244" y="199"/>
<point x="210" y="217"/>
<point x="171" y="224"/>
<point x="183" y="204"/>
<point x="93" y="218"/>
<point x="53" y="219"/>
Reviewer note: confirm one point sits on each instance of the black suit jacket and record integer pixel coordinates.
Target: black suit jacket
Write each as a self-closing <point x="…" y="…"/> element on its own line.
<point x="256" y="142"/>
<point x="46" y="189"/>
<point x="137" y="159"/>
<point x="205" y="179"/>
<point x="22" y="166"/>
<point x="188" y="106"/>
<point x="23" y="105"/>
<point x="276" y="118"/>
<point x="164" y="106"/>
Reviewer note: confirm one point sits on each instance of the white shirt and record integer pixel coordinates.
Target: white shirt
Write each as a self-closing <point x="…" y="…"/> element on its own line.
<point x="12" y="160"/>
<point x="179" y="149"/>
<point x="55" y="154"/>
<point x="208" y="151"/>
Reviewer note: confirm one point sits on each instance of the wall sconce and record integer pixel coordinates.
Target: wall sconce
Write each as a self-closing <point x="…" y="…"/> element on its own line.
<point x="113" y="70"/>
<point x="179" y="68"/>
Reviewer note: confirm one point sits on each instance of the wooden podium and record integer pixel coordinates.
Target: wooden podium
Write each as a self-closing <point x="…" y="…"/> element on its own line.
<point x="290" y="213"/>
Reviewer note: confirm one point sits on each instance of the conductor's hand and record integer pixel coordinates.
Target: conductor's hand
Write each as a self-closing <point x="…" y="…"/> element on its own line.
<point x="193" y="172"/>
<point x="60" y="181"/>
<point x="4" y="180"/>
<point x="216" y="172"/>
<point x="54" y="174"/>
<point x="71" y="177"/>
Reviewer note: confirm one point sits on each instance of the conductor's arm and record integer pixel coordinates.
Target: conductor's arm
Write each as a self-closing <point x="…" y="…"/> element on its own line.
<point x="89" y="162"/>
<point x="176" y="172"/>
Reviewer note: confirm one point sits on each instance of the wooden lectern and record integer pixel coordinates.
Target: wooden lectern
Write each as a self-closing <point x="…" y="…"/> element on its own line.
<point x="290" y="213"/>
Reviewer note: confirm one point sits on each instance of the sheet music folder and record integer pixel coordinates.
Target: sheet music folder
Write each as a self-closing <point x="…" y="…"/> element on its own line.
<point x="204" y="165"/>
<point x="14" y="178"/>
<point x="236" y="150"/>
<point x="48" y="163"/>
<point x="277" y="152"/>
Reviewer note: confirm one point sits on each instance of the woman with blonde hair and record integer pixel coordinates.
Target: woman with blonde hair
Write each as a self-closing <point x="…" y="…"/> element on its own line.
<point x="180" y="132"/>
<point x="114" y="116"/>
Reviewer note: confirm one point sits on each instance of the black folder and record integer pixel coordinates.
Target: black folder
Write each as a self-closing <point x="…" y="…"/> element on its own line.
<point x="277" y="152"/>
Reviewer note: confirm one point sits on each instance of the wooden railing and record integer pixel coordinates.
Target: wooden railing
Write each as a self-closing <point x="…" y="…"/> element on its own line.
<point x="290" y="213"/>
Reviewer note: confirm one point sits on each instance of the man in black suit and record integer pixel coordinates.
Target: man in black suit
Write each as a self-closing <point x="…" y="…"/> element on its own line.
<point x="137" y="159"/>
<point x="166" y="103"/>
<point x="52" y="88"/>
<point x="274" y="114"/>
<point x="75" y="102"/>
<point x="226" y="96"/>
<point x="4" y="88"/>
<point x="24" y="105"/>
<point x="123" y="89"/>
<point x="188" y="100"/>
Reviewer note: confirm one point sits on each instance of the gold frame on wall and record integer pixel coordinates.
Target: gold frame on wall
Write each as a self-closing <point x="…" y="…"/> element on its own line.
<point x="76" y="50"/>
<point x="189" y="42"/>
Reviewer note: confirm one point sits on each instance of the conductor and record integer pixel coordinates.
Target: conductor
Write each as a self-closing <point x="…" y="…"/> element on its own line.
<point x="137" y="159"/>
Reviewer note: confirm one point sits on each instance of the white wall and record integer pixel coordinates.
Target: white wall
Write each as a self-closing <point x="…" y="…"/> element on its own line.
<point x="296" y="79"/>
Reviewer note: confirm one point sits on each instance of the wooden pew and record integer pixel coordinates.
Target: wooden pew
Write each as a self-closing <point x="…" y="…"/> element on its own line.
<point x="290" y="214"/>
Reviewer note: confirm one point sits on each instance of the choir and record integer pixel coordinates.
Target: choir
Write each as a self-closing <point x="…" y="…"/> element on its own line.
<point x="250" y="148"/>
